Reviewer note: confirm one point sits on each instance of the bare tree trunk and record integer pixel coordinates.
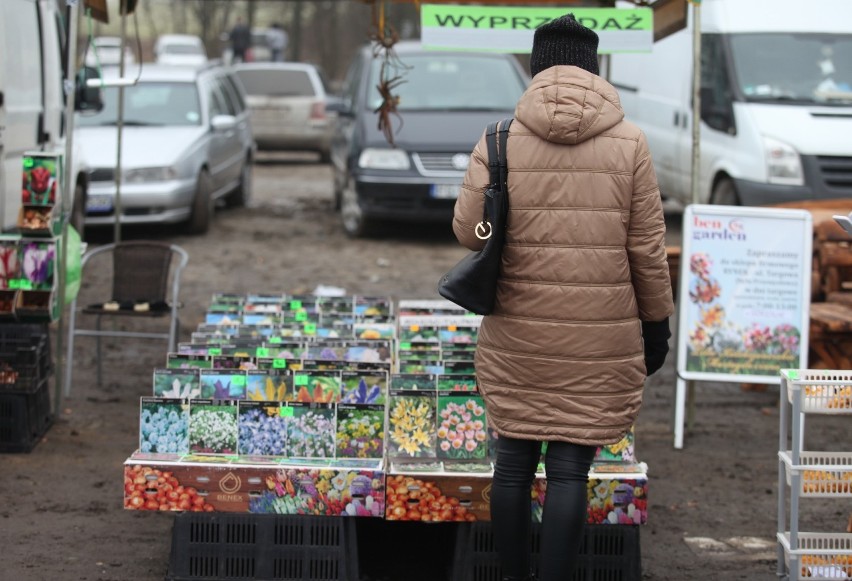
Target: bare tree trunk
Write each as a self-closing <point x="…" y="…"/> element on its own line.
<point x="296" y="35"/>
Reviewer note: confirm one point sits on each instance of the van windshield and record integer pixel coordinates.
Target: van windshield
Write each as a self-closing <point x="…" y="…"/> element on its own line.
<point x="170" y="104"/>
<point x="791" y="67"/>
<point x="440" y="82"/>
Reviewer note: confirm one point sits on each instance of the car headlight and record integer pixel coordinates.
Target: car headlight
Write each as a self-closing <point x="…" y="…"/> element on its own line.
<point x="384" y="159"/>
<point x="149" y="174"/>
<point x="783" y="165"/>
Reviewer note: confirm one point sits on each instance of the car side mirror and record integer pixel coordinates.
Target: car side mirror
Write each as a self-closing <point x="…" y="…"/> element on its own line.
<point x="86" y="96"/>
<point x="223" y="122"/>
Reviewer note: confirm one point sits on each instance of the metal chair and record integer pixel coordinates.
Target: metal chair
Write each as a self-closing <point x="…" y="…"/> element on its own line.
<point x="141" y="273"/>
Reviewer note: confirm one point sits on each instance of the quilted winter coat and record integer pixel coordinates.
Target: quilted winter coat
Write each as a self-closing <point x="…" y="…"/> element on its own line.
<point x="561" y="356"/>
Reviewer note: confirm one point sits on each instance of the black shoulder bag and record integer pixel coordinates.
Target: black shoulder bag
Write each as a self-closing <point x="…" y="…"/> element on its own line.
<point x="472" y="283"/>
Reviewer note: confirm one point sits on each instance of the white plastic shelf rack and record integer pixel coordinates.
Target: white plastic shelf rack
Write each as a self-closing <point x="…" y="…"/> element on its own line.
<point x="809" y="474"/>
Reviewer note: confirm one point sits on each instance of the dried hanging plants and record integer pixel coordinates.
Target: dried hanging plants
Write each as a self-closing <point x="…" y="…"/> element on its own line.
<point x="384" y="37"/>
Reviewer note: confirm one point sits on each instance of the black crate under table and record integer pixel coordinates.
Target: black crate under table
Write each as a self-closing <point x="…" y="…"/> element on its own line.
<point x="229" y="547"/>
<point x="607" y="553"/>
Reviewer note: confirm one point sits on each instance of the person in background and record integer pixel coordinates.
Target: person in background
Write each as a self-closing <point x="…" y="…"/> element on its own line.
<point x="276" y="37"/>
<point x="583" y="298"/>
<point x="240" y="38"/>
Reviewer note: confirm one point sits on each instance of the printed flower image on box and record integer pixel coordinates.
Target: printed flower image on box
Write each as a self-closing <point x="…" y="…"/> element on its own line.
<point x="375" y="351"/>
<point x="372" y="306"/>
<point x="317" y="387"/>
<point x="360" y="431"/>
<point x="213" y="427"/>
<point x="268" y="385"/>
<point x="321" y="492"/>
<point x="312" y="430"/>
<point x="411" y="424"/>
<point x="163" y="426"/>
<point x="462" y="431"/>
<point x="9" y="262"/>
<point x="263" y="428"/>
<point x="38" y="261"/>
<point x="458" y="382"/>
<point x="419" y="334"/>
<point x="720" y="343"/>
<point x="363" y="387"/>
<point x="177" y="383"/>
<point x="222" y="384"/>
<point x="374" y="330"/>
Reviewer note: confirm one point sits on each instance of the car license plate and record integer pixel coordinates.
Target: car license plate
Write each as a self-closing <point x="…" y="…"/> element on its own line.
<point x="445" y="191"/>
<point x="99" y="203"/>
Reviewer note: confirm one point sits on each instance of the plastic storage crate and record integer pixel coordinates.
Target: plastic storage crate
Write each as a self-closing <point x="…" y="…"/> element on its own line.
<point x="24" y="418"/>
<point x="820" y="555"/>
<point x="263" y="546"/>
<point x="607" y="553"/>
<point x="24" y="357"/>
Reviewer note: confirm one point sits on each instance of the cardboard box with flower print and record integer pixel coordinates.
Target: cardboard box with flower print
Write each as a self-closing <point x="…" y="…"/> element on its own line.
<point x="221" y="484"/>
<point x="614" y="498"/>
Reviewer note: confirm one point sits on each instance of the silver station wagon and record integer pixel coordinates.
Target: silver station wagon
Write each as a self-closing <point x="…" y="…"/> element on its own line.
<point x="186" y="144"/>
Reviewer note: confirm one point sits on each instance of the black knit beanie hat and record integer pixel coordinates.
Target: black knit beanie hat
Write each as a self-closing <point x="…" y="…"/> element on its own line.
<point x="564" y="41"/>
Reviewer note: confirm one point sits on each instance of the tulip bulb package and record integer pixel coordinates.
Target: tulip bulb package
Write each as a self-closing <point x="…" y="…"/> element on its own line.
<point x="411" y="424"/>
<point x="268" y="385"/>
<point x="42" y="178"/>
<point x="462" y="429"/>
<point x="223" y="383"/>
<point x="364" y="387"/>
<point x="312" y="429"/>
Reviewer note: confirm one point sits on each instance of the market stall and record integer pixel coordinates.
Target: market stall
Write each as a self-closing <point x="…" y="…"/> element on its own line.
<point x="357" y="406"/>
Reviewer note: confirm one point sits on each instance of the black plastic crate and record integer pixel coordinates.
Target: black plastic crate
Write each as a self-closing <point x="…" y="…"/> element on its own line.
<point x="607" y="553"/>
<point x="24" y="418"/>
<point x="279" y="547"/>
<point x="24" y="356"/>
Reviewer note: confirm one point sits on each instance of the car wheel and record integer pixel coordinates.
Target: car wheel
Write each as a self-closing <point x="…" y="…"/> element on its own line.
<point x="240" y="197"/>
<point x="203" y="206"/>
<point x="78" y="211"/>
<point x="355" y="223"/>
<point x="724" y="193"/>
<point x="338" y="190"/>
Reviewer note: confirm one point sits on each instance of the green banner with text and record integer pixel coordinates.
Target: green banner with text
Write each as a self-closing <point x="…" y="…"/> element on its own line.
<point x="510" y="28"/>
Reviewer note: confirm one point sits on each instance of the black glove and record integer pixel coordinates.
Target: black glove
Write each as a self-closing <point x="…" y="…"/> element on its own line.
<point x="656" y="337"/>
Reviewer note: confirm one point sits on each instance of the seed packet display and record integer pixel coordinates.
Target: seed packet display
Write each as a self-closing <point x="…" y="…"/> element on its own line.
<point x="419" y="334"/>
<point x="277" y="363"/>
<point x="454" y="367"/>
<point x="256" y="331"/>
<point x="360" y="431"/>
<point x="260" y="318"/>
<point x="453" y="334"/>
<point x="421" y="367"/>
<point x="456" y="382"/>
<point x="411" y="424"/>
<point x="335" y="305"/>
<point x="412" y="382"/>
<point x="420" y="350"/>
<point x="373" y="331"/>
<point x="213" y="426"/>
<point x="236" y="362"/>
<point x="457" y="352"/>
<point x="316" y="386"/>
<point x="223" y="383"/>
<point x="326" y="350"/>
<point x="364" y="387"/>
<point x="366" y="306"/>
<point x="369" y="351"/>
<point x="163" y="426"/>
<point x="263" y="428"/>
<point x="197" y="348"/>
<point x="181" y="361"/>
<point x="462" y="429"/>
<point x="219" y="319"/>
<point x="177" y="383"/>
<point x="312" y="430"/>
<point x="323" y="365"/>
<point x="268" y="385"/>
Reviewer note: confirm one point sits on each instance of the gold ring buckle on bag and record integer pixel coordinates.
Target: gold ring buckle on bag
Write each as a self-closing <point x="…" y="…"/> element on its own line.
<point x="480" y="230"/>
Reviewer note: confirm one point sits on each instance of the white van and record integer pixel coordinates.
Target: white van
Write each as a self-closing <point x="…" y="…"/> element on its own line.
<point x="776" y="102"/>
<point x="32" y="104"/>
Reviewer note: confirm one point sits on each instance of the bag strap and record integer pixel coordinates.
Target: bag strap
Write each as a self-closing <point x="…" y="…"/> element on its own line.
<point x="502" y="162"/>
<point x="493" y="157"/>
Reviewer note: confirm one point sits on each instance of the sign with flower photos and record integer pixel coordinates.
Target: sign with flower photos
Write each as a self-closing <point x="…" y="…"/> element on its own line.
<point x="744" y="293"/>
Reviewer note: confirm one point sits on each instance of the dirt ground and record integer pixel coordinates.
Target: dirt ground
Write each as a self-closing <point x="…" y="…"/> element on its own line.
<point x="712" y="511"/>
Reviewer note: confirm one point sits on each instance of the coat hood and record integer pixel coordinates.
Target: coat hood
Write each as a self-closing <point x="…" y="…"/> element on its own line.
<point x="567" y="104"/>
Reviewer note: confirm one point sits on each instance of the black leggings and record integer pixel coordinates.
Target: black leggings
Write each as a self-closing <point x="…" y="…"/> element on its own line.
<point x="565" y="506"/>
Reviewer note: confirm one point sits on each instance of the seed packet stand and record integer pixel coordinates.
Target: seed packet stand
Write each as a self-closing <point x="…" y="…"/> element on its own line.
<point x="812" y="555"/>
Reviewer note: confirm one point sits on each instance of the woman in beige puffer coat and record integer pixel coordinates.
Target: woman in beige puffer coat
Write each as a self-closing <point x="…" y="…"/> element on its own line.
<point x="562" y="359"/>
